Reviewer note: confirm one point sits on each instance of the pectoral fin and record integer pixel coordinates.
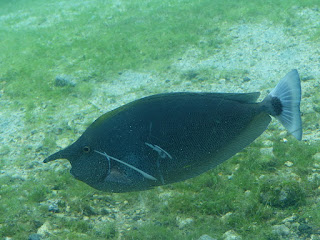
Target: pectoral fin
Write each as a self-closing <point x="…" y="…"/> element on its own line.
<point x="116" y="176"/>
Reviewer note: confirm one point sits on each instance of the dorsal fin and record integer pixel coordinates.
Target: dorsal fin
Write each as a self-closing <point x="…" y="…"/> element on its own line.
<point x="240" y="97"/>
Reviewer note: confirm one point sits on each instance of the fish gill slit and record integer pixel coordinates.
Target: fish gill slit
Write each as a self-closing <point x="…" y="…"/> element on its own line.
<point x="159" y="171"/>
<point x="109" y="164"/>
<point x="150" y="127"/>
<point x="144" y="174"/>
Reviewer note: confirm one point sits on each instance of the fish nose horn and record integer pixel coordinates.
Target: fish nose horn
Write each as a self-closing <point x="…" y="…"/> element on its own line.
<point x="57" y="155"/>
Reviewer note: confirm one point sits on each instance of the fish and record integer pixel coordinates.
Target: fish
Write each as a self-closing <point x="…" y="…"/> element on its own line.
<point x="170" y="137"/>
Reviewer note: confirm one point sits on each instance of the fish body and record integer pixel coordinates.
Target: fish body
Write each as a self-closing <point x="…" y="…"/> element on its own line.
<point x="170" y="137"/>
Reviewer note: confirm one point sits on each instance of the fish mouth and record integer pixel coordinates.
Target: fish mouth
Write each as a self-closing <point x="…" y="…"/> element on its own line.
<point x="69" y="153"/>
<point x="58" y="155"/>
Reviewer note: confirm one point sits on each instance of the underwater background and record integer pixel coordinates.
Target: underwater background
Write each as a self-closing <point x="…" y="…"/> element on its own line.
<point x="64" y="63"/>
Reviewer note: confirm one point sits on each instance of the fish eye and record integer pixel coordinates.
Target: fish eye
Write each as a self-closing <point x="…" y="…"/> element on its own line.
<point x="86" y="149"/>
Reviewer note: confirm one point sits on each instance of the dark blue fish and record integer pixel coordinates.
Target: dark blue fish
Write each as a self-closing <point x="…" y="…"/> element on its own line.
<point x="171" y="137"/>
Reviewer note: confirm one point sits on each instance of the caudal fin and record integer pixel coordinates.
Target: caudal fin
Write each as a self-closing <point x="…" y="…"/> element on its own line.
<point x="287" y="111"/>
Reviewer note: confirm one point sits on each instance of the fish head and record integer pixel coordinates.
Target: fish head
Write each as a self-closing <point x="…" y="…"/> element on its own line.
<point x="95" y="169"/>
<point x="86" y="165"/>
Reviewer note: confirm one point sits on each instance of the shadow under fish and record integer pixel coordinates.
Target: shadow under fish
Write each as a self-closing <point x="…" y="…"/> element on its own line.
<point x="170" y="137"/>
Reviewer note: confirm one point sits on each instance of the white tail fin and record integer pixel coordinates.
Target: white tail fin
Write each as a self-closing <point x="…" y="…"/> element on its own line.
<point x="288" y="91"/>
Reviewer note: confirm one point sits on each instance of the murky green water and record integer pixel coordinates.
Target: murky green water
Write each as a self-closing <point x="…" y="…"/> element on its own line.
<point x="64" y="63"/>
